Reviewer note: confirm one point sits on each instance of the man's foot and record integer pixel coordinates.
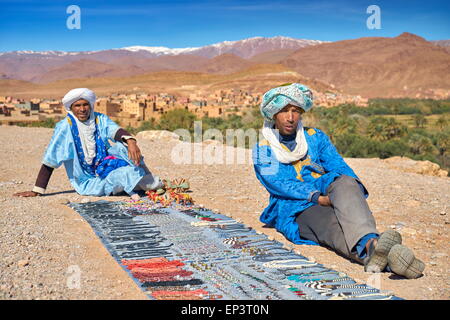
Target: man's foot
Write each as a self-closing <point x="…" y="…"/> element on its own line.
<point x="401" y="261"/>
<point x="26" y="194"/>
<point x="378" y="251"/>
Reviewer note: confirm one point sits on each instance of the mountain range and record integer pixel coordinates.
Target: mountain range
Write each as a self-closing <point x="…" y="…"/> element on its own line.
<point x="373" y="66"/>
<point x="47" y="66"/>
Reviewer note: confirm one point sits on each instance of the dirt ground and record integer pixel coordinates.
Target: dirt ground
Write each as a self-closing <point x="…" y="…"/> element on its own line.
<point x="45" y="245"/>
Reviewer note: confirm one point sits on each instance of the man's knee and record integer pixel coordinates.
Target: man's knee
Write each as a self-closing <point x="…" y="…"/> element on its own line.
<point x="345" y="182"/>
<point x="318" y="218"/>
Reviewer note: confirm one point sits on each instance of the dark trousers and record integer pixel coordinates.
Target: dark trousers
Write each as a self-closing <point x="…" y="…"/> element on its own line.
<point x="340" y="226"/>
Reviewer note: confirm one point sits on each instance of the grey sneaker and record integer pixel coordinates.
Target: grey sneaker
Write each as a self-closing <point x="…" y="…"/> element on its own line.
<point x="402" y="261"/>
<point x="377" y="255"/>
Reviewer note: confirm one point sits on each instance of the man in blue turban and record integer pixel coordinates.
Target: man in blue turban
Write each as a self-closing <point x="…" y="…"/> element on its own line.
<point x="315" y="197"/>
<point x="94" y="167"/>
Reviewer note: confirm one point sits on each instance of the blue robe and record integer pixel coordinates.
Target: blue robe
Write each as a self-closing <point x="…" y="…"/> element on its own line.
<point x="62" y="150"/>
<point x="291" y="186"/>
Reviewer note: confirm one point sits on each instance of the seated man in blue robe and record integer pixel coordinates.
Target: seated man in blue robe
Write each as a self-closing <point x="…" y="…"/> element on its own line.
<point x="315" y="197"/>
<point x="94" y="167"/>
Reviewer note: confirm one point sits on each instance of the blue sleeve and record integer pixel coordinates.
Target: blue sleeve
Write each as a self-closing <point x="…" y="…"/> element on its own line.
<point x="277" y="183"/>
<point x="60" y="148"/>
<point x="315" y="197"/>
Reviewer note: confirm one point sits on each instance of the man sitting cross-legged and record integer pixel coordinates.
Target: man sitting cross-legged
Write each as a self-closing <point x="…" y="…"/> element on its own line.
<point x="94" y="167"/>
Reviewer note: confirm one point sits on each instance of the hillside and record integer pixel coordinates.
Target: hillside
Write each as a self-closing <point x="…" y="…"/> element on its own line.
<point x="224" y="64"/>
<point x="255" y="77"/>
<point x="87" y="69"/>
<point x="376" y="66"/>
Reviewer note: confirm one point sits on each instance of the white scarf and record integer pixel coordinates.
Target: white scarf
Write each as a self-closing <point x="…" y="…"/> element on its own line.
<point x="285" y="156"/>
<point x="86" y="131"/>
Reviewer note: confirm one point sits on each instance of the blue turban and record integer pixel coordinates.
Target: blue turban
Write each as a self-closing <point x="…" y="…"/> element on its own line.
<point x="277" y="98"/>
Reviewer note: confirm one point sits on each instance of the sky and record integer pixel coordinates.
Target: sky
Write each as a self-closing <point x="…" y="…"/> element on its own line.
<point x="106" y="24"/>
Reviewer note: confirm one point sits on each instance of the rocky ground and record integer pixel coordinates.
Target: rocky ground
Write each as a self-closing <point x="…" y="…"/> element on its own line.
<point x="47" y="251"/>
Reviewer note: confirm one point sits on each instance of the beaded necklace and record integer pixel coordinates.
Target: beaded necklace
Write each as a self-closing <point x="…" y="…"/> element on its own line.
<point x="318" y="273"/>
<point x="351" y="294"/>
<point x="198" y="294"/>
<point x="173" y="283"/>
<point x="278" y="264"/>
<point x="296" y="291"/>
<point x="212" y="223"/>
<point x="321" y="281"/>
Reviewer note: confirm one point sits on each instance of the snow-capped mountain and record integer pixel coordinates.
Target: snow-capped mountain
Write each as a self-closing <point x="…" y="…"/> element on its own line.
<point x="33" y="65"/>
<point x="243" y="48"/>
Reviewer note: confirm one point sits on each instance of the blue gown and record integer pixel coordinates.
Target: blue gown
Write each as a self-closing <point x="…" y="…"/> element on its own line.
<point x="62" y="150"/>
<point x="292" y="185"/>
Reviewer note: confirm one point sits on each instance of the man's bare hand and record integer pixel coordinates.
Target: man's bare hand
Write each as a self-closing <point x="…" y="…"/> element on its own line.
<point x="324" y="201"/>
<point x="134" y="153"/>
<point x="26" y="194"/>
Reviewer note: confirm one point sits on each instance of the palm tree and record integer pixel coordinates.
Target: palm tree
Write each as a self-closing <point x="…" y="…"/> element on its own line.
<point x="176" y="119"/>
<point x="420" y="120"/>
<point x="420" y="145"/>
<point x="345" y="125"/>
<point x="382" y="129"/>
<point x="376" y="129"/>
<point x="394" y="129"/>
<point x="443" y="143"/>
<point x="441" y="123"/>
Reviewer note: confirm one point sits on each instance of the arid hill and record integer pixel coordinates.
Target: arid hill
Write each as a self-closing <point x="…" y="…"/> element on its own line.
<point x="274" y="56"/>
<point x="256" y="77"/>
<point x="87" y="69"/>
<point x="376" y="66"/>
<point x="225" y="63"/>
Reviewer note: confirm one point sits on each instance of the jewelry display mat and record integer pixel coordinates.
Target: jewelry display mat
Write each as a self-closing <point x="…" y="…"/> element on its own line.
<point x="191" y="253"/>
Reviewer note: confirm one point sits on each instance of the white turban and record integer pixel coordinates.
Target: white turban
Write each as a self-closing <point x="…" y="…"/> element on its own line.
<point x="77" y="94"/>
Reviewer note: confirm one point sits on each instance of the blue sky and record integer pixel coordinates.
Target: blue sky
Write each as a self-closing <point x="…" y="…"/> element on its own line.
<point x="105" y="24"/>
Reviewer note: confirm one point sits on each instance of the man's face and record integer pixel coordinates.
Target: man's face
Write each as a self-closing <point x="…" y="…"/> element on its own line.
<point x="81" y="109"/>
<point x="286" y="120"/>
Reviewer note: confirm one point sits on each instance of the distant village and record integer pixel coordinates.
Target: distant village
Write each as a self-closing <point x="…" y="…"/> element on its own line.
<point x="133" y="109"/>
